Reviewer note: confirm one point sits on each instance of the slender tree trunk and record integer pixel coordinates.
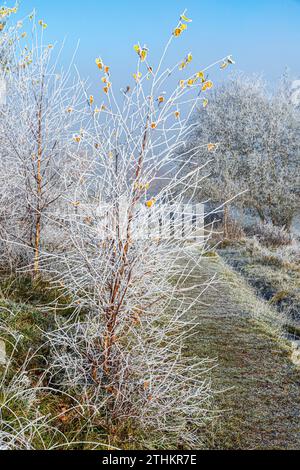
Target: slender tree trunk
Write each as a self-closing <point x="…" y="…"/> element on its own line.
<point x="38" y="218"/>
<point x="36" y="267"/>
<point x="261" y="214"/>
<point x="226" y="219"/>
<point x="118" y="291"/>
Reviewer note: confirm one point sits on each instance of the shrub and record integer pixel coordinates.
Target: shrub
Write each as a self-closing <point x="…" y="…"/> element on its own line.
<point x="121" y="353"/>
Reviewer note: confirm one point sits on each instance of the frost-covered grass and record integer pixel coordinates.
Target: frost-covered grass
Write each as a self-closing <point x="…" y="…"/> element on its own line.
<point x="34" y="415"/>
<point x="38" y="411"/>
<point x="258" y="384"/>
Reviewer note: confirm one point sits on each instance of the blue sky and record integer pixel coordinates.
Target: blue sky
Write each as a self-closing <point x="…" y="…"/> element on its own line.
<point x="262" y="35"/>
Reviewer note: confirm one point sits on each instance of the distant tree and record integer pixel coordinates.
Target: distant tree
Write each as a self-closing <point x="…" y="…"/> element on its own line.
<point x="274" y="179"/>
<point x="255" y="140"/>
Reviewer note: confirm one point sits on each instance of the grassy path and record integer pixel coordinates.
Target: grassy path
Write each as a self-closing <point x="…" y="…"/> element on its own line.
<point x="262" y="402"/>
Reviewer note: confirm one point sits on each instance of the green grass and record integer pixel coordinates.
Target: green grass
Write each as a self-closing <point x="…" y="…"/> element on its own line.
<point x="24" y="308"/>
<point x="24" y="311"/>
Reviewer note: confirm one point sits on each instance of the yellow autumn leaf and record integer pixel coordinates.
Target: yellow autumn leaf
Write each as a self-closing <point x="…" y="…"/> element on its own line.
<point x="142" y="52"/>
<point x="177" y="32"/>
<point x="42" y="24"/>
<point x="91" y="99"/>
<point x="207" y="85"/>
<point x="161" y="99"/>
<point x="200" y="75"/>
<point x="183" y="27"/>
<point x="137" y="76"/>
<point x="205" y="102"/>
<point x="153" y="125"/>
<point x="181" y="83"/>
<point x="189" y="58"/>
<point x="191" y="82"/>
<point x="146" y="385"/>
<point x="224" y="65"/>
<point x="143" y="55"/>
<point x="77" y="138"/>
<point x="177" y="114"/>
<point x="150" y="203"/>
<point x="211" y="147"/>
<point x="4" y="11"/>
<point x="185" y="18"/>
<point x="99" y="63"/>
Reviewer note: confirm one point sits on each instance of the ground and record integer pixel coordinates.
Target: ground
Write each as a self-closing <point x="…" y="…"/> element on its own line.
<point x="257" y="399"/>
<point x="259" y="386"/>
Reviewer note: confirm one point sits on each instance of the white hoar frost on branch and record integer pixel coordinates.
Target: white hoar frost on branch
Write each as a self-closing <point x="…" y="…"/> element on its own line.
<point x="100" y="173"/>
